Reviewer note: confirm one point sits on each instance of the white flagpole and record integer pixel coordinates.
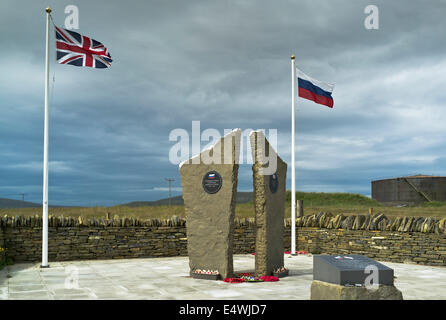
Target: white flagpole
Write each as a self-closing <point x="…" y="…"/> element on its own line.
<point x="293" y="177"/>
<point x="45" y="147"/>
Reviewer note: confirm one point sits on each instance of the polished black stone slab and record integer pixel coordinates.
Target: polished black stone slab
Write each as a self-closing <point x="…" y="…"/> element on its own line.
<point x="349" y="269"/>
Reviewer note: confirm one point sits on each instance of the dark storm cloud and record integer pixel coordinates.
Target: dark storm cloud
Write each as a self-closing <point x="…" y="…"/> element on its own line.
<point x="225" y="63"/>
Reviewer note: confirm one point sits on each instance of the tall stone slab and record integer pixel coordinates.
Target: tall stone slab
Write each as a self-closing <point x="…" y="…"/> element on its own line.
<point x="209" y="182"/>
<point x="269" y="179"/>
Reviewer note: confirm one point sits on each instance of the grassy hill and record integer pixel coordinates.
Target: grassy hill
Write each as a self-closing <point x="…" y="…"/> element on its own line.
<point x="242" y="197"/>
<point x="19" y="204"/>
<point x="176" y="201"/>
<point x="11" y="203"/>
<point x="321" y="199"/>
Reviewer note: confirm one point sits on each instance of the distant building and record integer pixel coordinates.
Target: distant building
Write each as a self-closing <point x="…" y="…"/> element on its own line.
<point x="409" y="190"/>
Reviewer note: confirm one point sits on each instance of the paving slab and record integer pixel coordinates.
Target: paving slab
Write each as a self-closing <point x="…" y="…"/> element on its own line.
<point x="167" y="278"/>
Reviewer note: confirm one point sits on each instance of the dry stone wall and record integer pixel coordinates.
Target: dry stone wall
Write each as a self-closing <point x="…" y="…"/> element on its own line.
<point x="405" y="239"/>
<point x="2" y="239"/>
<point x="402" y="239"/>
<point x="373" y="223"/>
<point x="79" y="238"/>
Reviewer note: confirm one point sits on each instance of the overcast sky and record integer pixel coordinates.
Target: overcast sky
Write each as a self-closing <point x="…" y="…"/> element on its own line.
<point x="226" y="64"/>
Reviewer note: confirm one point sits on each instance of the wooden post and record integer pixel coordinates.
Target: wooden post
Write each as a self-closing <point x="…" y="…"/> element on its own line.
<point x="371" y="211"/>
<point x="108" y="216"/>
<point x="300" y="208"/>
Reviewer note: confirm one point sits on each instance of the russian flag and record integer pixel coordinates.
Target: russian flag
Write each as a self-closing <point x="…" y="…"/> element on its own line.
<point x="314" y="90"/>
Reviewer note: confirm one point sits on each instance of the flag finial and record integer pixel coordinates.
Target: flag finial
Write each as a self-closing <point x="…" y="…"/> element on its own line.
<point x="48" y="10"/>
<point x="292" y="57"/>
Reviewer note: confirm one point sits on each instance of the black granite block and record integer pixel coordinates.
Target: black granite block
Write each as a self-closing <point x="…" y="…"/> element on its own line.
<point x="348" y="269"/>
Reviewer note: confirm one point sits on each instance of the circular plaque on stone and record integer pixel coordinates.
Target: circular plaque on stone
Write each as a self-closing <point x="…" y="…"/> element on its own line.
<point x="273" y="183"/>
<point x="212" y="182"/>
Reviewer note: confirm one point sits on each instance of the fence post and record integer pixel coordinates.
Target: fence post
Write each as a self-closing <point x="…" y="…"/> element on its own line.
<point x="300" y="208"/>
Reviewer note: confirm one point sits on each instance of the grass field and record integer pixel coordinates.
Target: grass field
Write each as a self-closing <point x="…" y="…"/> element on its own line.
<point x="336" y="203"/>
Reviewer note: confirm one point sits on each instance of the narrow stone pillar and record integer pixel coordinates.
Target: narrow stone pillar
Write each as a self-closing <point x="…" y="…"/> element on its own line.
<point x="209" y="182"/>
<point x="269" y="179"/>
<point x="300" y="208"/>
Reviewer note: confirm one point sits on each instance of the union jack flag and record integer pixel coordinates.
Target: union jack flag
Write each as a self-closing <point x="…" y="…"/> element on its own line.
<point x="81" y="51"/>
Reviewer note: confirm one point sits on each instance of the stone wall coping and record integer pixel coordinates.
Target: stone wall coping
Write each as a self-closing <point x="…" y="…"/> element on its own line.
<point x="322" y="220"/>
<point x="21" y="221"/>
<point x="376" y="222"/>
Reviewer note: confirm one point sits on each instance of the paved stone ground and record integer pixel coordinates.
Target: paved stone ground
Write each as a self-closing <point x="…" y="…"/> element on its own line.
<point x="167" y="278"/>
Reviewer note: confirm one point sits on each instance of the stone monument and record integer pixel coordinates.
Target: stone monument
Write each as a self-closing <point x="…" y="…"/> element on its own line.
<point x="209" y="183"/>
<point x="352" y="277"/>
<point x="269" y="180"/>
